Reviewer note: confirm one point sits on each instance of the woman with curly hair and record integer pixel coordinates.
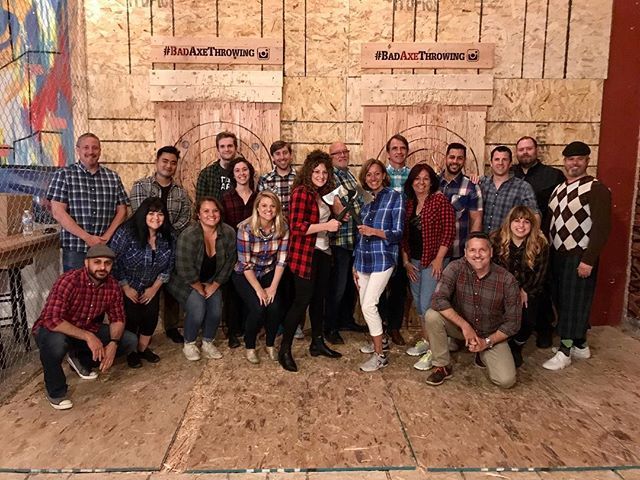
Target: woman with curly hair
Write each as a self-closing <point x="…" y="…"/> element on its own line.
<point x="520" y="247"/>
<point x="309" y="256"/>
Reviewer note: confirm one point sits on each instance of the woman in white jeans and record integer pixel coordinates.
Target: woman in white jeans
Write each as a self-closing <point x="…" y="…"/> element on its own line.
<point x="376" y="253"/>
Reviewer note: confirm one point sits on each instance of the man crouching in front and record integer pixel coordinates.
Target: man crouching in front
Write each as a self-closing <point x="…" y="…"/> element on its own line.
<point x="479" y="302"/>
<point x="72" y="322"/>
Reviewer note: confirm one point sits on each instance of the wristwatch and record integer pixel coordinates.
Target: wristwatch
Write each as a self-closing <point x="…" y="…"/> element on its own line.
<point x="488" y="342"/>
<point x="115" y="340"/>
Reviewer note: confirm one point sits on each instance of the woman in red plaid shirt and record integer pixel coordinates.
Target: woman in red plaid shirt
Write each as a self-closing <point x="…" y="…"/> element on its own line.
<point x="309" y="256"/>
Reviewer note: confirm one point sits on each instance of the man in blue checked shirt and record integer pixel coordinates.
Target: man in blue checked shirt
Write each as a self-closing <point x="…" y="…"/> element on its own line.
<point x="392" y="306"/>
<point x="88" y="201"/>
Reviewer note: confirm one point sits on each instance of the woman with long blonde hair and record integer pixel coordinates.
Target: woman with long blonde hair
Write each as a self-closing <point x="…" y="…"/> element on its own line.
<point x="520" y="247"/>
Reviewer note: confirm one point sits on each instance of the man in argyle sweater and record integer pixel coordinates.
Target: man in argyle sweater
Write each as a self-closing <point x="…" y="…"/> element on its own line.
<point x="580" y="224"/>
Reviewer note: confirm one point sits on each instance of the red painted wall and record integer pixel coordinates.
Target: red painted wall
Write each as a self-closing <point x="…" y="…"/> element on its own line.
<point x="617" y="159"/>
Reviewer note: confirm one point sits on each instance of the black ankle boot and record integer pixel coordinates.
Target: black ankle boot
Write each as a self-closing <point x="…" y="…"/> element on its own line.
<point x="318" y="347"/>
<point x="516" y="351"/>
<point x="286" y="360"/>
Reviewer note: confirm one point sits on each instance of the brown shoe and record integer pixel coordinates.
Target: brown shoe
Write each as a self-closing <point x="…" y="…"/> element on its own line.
<point x="439" y="375"/>
<point x="396" y="337"/>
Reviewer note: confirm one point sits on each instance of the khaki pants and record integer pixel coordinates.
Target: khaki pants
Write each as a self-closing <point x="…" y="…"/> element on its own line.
<point x="499" y="361"/>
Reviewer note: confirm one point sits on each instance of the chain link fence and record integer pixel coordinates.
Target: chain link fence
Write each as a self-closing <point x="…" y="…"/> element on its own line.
<point x="37" y="69"/>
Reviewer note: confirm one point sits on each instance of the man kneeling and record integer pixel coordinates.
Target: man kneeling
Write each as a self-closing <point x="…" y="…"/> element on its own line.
<point x="72" y="322"/>
<point x="479" y="302"/>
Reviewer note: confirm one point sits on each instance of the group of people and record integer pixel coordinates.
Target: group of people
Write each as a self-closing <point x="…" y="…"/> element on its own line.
<point x="485" y="259"/>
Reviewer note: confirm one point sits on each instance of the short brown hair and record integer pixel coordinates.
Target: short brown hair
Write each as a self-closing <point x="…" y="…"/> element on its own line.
<point x="226" y="134"/>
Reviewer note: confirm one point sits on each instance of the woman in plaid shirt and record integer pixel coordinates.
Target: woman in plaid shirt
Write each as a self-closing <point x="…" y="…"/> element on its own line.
<point x="376" y="253"/>
<point x="309" y="256"/>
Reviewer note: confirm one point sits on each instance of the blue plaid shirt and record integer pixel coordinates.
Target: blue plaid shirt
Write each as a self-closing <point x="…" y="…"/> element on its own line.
<point x="398" y="177"/>
<point x="91" y="200"/>
<point x="386" y="212"/>
<point x="498" y="201"/>
<point x="465" y="197"/>
<point x="345" y="237"/>
<point x="140" y="267"/>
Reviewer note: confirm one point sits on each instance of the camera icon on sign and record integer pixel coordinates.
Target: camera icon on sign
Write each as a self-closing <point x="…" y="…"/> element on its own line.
<point x="263" y="53"/>
<point x="473" y="55"/>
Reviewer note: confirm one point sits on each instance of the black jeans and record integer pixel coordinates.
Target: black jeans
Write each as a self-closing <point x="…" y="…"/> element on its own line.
<point x="142" y="318"/>
<point x="310" y="293"/>
<point x="55" y="345"/>
<point x="529" y="319"/>
<point x="257" y="315"/>
<point x="391" y="305"/>
<point x="342" y="291"/>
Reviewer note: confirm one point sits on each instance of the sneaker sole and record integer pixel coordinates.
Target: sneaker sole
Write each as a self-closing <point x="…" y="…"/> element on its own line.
<point x="435" y="384"/>
<point x="61" y="407"/>
<point x="422" y="368"/>
<point x="379" y="368"/>
<point x="414" y="354"/>
<point x="82" y="376"/>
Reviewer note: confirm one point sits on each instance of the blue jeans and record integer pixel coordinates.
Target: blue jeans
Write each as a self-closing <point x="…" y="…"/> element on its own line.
<point x="423" y="289"/>
<point x="341" y="296"/>
<point x="72" y="260"/>
<point x="202" y="312"/>
<point x="55" y="345"/>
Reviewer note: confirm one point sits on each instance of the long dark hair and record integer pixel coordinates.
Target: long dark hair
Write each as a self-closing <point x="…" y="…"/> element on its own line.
<point x="252" y="172"/>
<point x="413" y="174"/>
<point x="315" y="158"/>
<point x="137" y="223"/>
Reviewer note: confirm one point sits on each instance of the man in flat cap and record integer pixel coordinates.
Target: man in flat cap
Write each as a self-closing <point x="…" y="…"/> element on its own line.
<point x="580" y="223"/>
<point x="72" y="322"/>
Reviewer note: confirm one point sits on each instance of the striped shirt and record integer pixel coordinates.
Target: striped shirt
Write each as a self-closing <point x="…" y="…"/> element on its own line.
<point x="91" y="199"/>
<point x="261" y="253"/>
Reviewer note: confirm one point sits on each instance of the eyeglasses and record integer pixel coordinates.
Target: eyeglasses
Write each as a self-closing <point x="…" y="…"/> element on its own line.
<point x="341" y="152"/>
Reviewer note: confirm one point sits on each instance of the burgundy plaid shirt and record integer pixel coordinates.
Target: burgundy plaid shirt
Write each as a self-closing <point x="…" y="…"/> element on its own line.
<point x="235" y="210"/>
<point x="303" y="212"/>
<point x="438" y="226"/>
<point x="75" y="298"/>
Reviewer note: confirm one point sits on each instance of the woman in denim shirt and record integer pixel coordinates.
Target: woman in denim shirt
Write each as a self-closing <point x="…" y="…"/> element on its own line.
<point x="144" y="259"/>
<point x="376" y="253"/>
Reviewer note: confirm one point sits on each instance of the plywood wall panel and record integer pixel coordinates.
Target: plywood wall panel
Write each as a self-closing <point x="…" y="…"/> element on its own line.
<point x="327" y="41"/>
<point x="195" y="18"/>
<point x="556" y="41"/>
<point x="127" y="151"/>
<point x="534" y="36"/>
<point x="458" y="21"/>
<point x="503" y="24"/>
<point x="353" y="133"/>
<point x="374" y="131"/>
<point x="239" y="18"/>
<point x="546" y="100"/>
<point x="140" y="37"/>
<point x="368" y="22"/>
<point x="107" y="39"/>
<point x="119" y="96"/>
<point x="273" y="19"/>
<point x="544" y="132"/>
<point x="161" y="17"/>
<point x="142" y="130"/>
<point x="295" y="50"/>
<point x="403" y="26"/>
<point x="425" y="24"/>
<point x="323" y="133"/>
<point x="130" y="172"/>
<point x="313" y="98"/>
<point x="353" y="100"/>
<point x="78" y="66"/>
<point x="589" y="39"/>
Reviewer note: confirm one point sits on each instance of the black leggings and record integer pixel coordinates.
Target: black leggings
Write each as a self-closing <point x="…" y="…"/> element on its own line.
<point x="529" y="318"/>
<point x="142" y="318"/>
<point x="310" y="293"/>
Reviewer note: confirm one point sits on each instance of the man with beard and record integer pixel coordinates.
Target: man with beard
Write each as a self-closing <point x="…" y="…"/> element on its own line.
<point x="216" y="178"/>
<point x="72" y="322"/>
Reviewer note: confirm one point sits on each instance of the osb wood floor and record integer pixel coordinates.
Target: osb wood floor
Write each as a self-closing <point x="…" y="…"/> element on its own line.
<point x="230" y="415"/>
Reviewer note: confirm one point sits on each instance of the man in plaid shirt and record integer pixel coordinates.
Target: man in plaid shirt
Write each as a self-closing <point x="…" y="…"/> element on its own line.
<point x="342" y="292"/>
<point x="88" y="201"/>
<point x="464" y="196"/>
<point x="216" y="178"/>
<point x="502" y="191"/>
<point x="280" y="179"/>
<point x="72" y="322"/>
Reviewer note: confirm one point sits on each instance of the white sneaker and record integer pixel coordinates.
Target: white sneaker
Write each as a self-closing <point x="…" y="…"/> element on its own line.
<point x="273" y="355"/>
<point x="299" y="335"/>
<point x="419" y="349"/>
<point x="60" y="403"/>
<point x="454" y="346"/>
<point x="580" y="353"/>
<point x="252" y="356"/>
<point x="425" y="362"/>
<point x="191" y="351"/>
<point x="368" y="347"/>
<point x="557" y="362"/>
<point x="375" y="362"/>
<point x="83" y="372"/>
<point x="209" y="350"/>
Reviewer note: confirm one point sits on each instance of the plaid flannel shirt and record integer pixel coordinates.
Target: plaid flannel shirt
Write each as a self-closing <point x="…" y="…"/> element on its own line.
<point x="438" y="226"/>
<point x="281" y="186"/>
<point x="398" y="177"/>
<point x="262" y="254"/>
<point x="91" y="200"/>
<point x="304" y="213"/>
<point x="75" y="298"/>
<point x="345" y="237"/>
<point x="465" y="197"/>
<point x="235" y="210"/>
<point x="213" y="181"/>
<point x="386" y="212"/>
<point x="140" y="267"/>
<point x="498" y="201"/>
<point x="178" y="202"/>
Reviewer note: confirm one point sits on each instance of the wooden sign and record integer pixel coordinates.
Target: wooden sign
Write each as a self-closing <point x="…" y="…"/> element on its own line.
<point x="226" y="51"/>
<point x="427" y="55"/>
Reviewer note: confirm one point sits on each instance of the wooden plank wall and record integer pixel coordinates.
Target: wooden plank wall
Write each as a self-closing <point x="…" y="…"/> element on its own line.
<point x="551" y="59"/>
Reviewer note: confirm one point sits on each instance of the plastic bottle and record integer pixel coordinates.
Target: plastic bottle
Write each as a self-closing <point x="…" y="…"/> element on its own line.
<point x="27" y="223"/>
